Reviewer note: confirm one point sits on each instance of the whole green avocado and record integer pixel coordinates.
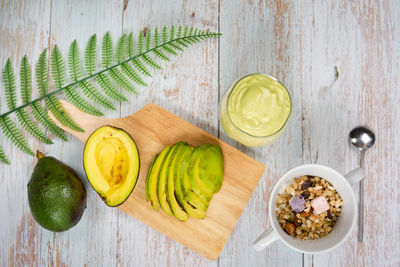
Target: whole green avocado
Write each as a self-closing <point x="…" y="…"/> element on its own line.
<point x="56" y="194"/>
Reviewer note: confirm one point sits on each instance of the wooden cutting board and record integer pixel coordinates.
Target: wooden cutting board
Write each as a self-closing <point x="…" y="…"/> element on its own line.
<point x="153" y="128"/>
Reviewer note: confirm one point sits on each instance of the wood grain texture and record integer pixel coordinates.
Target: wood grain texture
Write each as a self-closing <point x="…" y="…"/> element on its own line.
<point x="153" y="128"/>
<point x="299" y="42"/>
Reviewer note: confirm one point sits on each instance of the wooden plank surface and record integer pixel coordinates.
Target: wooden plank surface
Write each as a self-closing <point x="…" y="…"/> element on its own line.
<point x="299" y="42"/>
<point x="241" y="175"/>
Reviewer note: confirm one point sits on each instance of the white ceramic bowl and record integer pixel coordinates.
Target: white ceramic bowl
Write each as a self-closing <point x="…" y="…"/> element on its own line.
<point x="343" y="226"/>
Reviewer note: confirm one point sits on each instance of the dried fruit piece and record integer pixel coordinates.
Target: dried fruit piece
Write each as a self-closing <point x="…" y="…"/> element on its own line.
<point x="305" y="194"/>
<point x="329" y="214"/>
<point x="305" y="185"/>
<point x="296" y="221"/>
<point x="306" y="214"/>
<point x="290" y="229"/>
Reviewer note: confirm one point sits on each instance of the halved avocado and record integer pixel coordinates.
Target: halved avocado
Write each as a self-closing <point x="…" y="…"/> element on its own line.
<point x="147" y="178"/>
<point x="152" y="182"/>
<point x="178" y="179"/>
<point x="111" y="163"/>
<point x="162" y="181"/>
<point x="177" y="210"/>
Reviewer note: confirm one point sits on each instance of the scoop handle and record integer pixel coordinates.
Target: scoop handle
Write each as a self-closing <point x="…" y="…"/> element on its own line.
<point x="266" y="239"/>
<point x="355" y="176"/>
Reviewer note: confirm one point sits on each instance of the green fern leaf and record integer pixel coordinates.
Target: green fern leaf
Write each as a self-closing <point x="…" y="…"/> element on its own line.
<point x="132" y="74"/>
<point x="172" y="33"/>
<point x="107" y="52"/>
<point x="26" y="80"/>
<point x="169" y="50"/>
<point x="130" y="47"/>
<point x="74" y="68"/>
<point x="160" y="55"/>
<point x="29" y="125"/>
<point x="156" y="38"/>
<point x="90" y="55"/>
<point x="42" y="74"/>
<point x="3" y="157"/>
<point x="140" y="42"/>
<point x="120" y="49"/>
<point x="61" y="114"/>
<point x="148" y="40"/>
<point x="79" y="102"/>
<point x="9" y="85"/>
<point x="179" y="32"/>
<point x="164" y="35"/>
<point x="90" y="91"/>
<point x="108" y="88"/>
<point x="57" y="67"/>
<point x="186" y="31"/>
<point x="41" y="115"/>
<point x="121" y="80"/>
<point x="139" y="65"/>
<point x="11" y="131"/>
<point x="54" y="105"/>
<point x="149" y="61"/>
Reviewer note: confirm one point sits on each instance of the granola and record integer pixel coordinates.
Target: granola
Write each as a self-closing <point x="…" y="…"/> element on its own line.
<point x="309" y="207"/>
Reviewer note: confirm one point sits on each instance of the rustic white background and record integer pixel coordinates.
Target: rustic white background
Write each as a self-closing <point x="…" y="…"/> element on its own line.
<point x="339" y="60"/>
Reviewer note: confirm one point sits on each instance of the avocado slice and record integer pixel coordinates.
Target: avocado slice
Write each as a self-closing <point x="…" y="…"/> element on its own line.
<point x="147" y="178"/>
<point x="179" y="191"/>
<point x="177" y="210"/>
<point x="111" y="163"/>
<point x="162" y="181"/>
<point x="56" y="194"/>
<point x="209" y="168"/>
<point x="152" y="181"/>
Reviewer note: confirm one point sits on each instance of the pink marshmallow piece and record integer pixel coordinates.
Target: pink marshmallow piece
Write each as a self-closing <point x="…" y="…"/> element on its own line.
<point x="320" y="204"/>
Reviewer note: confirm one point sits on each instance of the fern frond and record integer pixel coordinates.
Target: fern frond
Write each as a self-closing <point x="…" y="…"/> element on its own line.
<point x="130" y="61"/>
<point x="29" y="125"/>
<point x="149" y="61"/>
<point x="108" y="88"/>
<point x="179" y="32"/>
<point x="57" y="67"/>
<point x="25" y="75"/>
<point x="11" y="131"/>
<point x="172" y="33"/>
<point x="140" y="42"/>
<point x="132" y="74"/>
<point x="74" y="67"/>
<point x="42" y="74"/>
<point x="91" y="92"/>
<point x="74" y="62"/>
<point x="130" y="46"/>
<point x="121" y="80"/>
<point x="148" y="40"/>
<point x="90" y="55"/>
<point x="61" y="114"/>
<point x="9" y="85"/>
<point x="164" y="35"/>
<point x="41" y="115"/>
<point x="3" y="157"/>
<point x="79" y="102"/>
<point x="106" y="50"/>
<point x="120" y="49"/>
<point x="139" y="65"/>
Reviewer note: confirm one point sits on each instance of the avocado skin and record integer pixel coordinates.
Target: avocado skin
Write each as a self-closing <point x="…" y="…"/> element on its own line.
<point x="56" y="194"/>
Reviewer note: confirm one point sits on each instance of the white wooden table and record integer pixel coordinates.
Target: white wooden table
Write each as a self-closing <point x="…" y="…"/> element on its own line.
<point x="339" y="60"/>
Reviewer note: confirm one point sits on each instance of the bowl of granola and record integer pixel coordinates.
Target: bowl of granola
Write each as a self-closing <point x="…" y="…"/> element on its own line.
<point x="312" y="209"/>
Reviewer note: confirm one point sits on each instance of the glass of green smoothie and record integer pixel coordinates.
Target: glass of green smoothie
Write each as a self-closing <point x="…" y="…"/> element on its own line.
<point x="255" y="109"/>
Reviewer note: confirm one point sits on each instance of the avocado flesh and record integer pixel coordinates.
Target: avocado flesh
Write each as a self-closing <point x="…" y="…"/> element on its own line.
<point x="177" y="210"/>
<point x="111" y="162"/>
<point x="206" y="170"/>
<point x="147" y="178"/>
<point x="162" y="181"/>
<point x="181" y="171"/>
<point x="153" y="178"/>
<point x="56" y="194"/>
